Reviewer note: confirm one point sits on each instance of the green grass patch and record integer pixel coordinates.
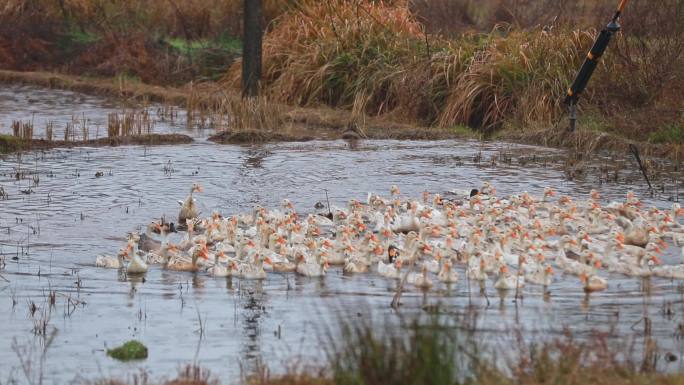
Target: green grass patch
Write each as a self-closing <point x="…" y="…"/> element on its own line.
<point x="9" y="143"/>
<point x="593" y="123"/>
<point x="670" y="134"/>
<point x="131" y="350"/>
<point x="75" y="37"/>
<point x="191" y="47"/>
<point x="465" y="131"/>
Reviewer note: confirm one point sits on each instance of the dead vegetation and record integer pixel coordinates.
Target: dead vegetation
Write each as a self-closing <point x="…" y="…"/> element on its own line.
<point x="503" y="63"/>
<point x="156" y="41"/>
<point x="129" y="123"/>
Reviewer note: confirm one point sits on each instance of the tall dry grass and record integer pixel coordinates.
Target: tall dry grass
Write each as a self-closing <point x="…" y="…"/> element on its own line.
<point x="398" y="59"/>
<point x="518" y="76"/>
<point x="377" y="58"/>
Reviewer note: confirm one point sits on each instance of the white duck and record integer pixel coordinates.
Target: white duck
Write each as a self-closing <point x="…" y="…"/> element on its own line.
<point x="313" y="268"/>
<point x="220" y="271"/>
<point x="390" y="270"/>
<point x="542" y="276"/>
<point x="447" y="274"/>
<point x="420" y="280"/>
<point x="253" y="269"/>
<point x="109" y="262"/>
<point x="593" y="282"/>
<point x="508" y="281"/>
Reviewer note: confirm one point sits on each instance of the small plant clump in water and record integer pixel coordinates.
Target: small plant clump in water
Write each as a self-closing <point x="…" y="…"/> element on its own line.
<point x="131" y="350"/>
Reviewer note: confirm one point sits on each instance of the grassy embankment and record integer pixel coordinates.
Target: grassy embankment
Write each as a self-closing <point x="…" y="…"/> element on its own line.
<point x="496" y="71"/>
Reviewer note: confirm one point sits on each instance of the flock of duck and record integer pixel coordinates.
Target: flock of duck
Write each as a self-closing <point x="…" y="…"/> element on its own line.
<point x="516" y="240"/>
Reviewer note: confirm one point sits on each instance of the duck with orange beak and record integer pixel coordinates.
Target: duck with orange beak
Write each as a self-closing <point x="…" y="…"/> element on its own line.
<point x="390" y="270"/>
<point x="477" y="268"/>
<point x="508" y="281"/>
<point x="420" y="280"/>
<point x="220" y="271"/>
<point x="542" y="276"/>
<point x="253" y="268"/>
<point x="110" y="262"/>
<point x="312" y="267"/>
<point x="447" y="274"/>
<point x="180" y="262"/>
<point x="593" y="282"/>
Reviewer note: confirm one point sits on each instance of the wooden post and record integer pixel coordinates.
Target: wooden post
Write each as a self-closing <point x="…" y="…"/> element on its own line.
<point x="251" y="51"/>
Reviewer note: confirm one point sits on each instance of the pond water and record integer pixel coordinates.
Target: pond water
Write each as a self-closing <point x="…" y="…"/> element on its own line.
<point x="58" y="217"/>
<point x="40" y="106"/>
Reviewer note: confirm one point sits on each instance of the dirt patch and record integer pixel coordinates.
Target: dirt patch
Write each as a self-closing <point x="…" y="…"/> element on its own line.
<point x="9" y="144"/>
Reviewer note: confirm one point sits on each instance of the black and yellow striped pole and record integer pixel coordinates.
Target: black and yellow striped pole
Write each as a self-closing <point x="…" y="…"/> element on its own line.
<point x="590" y="64"/>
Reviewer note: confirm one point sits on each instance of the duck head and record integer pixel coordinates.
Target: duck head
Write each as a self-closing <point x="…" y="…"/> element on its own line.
<point x="196" y="187"/>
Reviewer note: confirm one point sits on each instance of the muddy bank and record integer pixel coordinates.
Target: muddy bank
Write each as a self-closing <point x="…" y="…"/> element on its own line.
<point x="257" y="136"/>
<point x="583" y="143"/>
<point x="333" y="129"/>
<point x="9" y="144"/>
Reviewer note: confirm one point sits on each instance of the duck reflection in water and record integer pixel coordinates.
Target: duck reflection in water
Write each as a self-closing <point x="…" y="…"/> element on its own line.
<point x="252" y="301"/>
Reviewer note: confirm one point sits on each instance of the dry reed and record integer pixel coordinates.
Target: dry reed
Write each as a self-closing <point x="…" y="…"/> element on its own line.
<point x="129" y="123"/>
<point x="23" y="130"/>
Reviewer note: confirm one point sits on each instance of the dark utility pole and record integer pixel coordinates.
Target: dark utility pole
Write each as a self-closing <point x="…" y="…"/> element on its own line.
<point x="590" y="64"/>
<point x="251" y="51"/>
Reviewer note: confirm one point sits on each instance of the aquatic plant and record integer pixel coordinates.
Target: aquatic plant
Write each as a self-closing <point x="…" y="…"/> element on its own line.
<point x="131" y="350"/>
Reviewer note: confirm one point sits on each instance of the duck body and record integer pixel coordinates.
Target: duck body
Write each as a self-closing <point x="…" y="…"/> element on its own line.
<point x="109" y="262"/>
<point x="542" y="276"/>
<point x="447" y="274"/>
<point x="390" y="270"/>
<point x="137" y="265"/>
<point x="188" y="210"/>
<point x="594" y="283"/>
<point x="508" y="281"/>
<point x="420" y="280"/>
<point x="310" y="269"/>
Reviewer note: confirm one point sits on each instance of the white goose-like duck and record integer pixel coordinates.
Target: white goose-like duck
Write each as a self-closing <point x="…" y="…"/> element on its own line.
<point x="508" y="281"/>
<point x="447" y="274"/>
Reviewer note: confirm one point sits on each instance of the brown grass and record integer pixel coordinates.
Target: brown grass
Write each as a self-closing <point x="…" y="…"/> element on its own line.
<point x="376" y="58"/>
<point x="9" y="144"/>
